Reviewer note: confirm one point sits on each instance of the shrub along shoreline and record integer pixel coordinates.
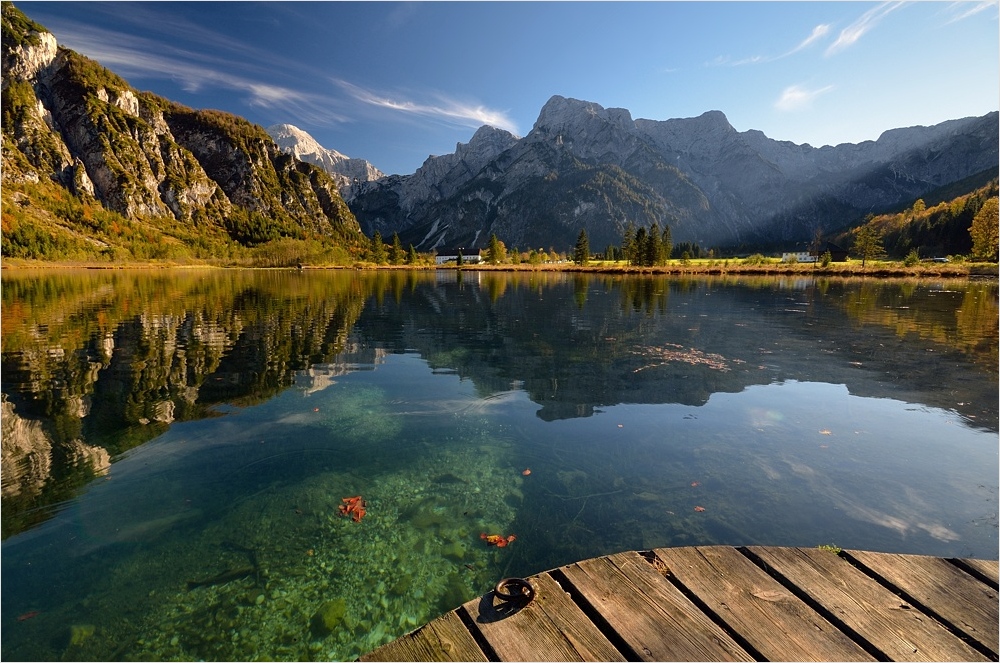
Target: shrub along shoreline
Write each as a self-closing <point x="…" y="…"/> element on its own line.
<point x="852" y="268"/>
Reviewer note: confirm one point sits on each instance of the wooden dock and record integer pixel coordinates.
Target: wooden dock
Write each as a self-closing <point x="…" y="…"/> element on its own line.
<point x="719" y="603"/>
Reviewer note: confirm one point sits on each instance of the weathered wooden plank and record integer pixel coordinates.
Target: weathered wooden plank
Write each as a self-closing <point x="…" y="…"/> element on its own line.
<point x="582" y="633"/>
<point x="989" y="568"/>
<point x="649" y="613"/>
<point x="550" y="628"/>
<point x="967" y="603"/>
<point x="444" y="639"/>
<point x="773" y="620"/>
<point x="895" y="628"/>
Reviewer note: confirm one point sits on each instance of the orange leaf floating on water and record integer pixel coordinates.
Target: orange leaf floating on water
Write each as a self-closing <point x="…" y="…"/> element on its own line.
<point x="825" y="432"/>
<point x="699" y="509"/>
<point x="695" y="484"/>
<point x="527" y="471"/>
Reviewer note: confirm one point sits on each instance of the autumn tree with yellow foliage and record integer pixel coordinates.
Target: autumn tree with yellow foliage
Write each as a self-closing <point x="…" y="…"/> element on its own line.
<point x="985" y="230"/>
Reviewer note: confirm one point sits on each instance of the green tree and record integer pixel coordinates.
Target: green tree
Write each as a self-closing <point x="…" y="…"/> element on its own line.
<point x="868" y="243"/>
<point x="497" y="252"/>
<point x="653" y="251"/>
<point x="628" y="243"/>
<point x="667" y="244"/>
<point x="396" y="251"/>
<point x="984" y="230"/>
<point x="581" y="253"/>
<point x="378" y="249"/>
<point x="411" y="256"/>
<point x="638" y="251"/>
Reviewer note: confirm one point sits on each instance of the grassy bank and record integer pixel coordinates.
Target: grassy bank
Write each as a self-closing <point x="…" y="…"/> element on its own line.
<point x="883" y="268"/>
<point x="887" y="268"/>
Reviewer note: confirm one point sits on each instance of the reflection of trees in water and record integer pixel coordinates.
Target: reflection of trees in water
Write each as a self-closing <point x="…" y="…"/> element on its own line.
<point x="110" y="360"/>
<point x="960" y="316"/>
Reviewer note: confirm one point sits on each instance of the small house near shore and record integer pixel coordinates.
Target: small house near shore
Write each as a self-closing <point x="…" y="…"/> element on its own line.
<point x="450" y="254"/>
<point x="837" y="254"/>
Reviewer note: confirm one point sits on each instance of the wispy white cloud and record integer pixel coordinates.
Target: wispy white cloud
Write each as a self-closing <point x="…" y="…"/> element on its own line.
<point x="867" y="21"/>
<point x="243" y="72"/>
<point x="963" y="10"/>
<point x="817" y="34"/>
<point x="444" y="108"/>
<point x="797" y="97"/>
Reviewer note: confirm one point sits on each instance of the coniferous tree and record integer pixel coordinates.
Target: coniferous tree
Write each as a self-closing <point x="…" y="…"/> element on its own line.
<point x="628" y="243"/>
<point x="638" y="251"/>
<point x="667" y="244"/>
<point x="378" y="249"/>
<point x="396" y="250"/>
<point x="653" y="246"/>
<point x="497" y="251"/>
<point x="581" y="253"/>
<point x="411" y="256"/>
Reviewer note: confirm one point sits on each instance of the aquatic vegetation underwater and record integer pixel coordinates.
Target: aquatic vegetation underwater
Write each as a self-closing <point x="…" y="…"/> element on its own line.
<point x="324" y="587"/>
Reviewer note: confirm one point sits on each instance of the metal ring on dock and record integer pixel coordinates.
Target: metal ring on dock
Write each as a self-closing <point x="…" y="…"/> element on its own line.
<point x="510" y="589"/>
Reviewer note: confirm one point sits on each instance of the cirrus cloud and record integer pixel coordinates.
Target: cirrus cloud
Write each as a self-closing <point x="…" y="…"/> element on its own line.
<point x="444" y="108"/>
<point x="855" y="31"/>
<point x="797" y="97"/>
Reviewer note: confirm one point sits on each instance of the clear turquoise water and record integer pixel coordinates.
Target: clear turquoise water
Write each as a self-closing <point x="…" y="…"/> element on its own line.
<point x="161" y="429"/>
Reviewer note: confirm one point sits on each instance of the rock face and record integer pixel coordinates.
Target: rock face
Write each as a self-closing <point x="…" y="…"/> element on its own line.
<point x="345" y="170"/>
<point x="585" y="166"/>
<point x="67" y="119"/>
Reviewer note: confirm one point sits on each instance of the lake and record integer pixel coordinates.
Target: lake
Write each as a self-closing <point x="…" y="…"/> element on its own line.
<point x="178" y="444"/>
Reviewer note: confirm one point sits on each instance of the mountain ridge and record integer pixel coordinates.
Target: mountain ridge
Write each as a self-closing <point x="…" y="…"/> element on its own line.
<point x="709" y="182"/>
<point x="181" y="182"/>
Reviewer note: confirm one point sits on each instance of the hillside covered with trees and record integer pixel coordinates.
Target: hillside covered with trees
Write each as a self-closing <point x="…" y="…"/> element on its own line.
<point x="945" y="224"/>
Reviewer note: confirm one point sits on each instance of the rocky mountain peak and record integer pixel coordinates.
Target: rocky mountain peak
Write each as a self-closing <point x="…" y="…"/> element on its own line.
<point x="484" y="145"/>
<point x="561" y="115"/>
<point x="346" y="171"/>
<point x="298" y="142"/>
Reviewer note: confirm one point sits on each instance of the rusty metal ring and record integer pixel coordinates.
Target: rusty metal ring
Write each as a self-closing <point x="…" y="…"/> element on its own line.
<point x="522" y="589"/>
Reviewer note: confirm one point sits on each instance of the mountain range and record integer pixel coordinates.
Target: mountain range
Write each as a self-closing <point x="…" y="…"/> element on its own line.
<point x="583" y="166"/>
<point x="201" y="178"/>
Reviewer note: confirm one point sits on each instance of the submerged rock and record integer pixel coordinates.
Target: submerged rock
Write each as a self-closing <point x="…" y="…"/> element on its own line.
<point x="79" y="634"/>
<point x="328" y="617"/>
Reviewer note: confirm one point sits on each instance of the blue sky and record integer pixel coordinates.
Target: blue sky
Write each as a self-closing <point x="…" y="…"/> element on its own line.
<point x="396" y="82"/>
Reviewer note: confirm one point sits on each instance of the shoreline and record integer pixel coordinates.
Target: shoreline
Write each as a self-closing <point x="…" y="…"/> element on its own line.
<point x="694" y="268"/>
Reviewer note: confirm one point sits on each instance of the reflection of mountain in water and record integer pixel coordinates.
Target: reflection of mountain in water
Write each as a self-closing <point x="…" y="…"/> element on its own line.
<point x="111" y="360"/>
<point x="97" y="363"/>
<point x="575" y="344"/>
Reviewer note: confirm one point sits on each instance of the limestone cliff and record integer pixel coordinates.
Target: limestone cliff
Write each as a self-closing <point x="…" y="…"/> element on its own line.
<point x="70" y="121"/>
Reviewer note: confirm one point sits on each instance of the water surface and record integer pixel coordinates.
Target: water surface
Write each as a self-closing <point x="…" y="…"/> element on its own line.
<point x="176" y="444"/>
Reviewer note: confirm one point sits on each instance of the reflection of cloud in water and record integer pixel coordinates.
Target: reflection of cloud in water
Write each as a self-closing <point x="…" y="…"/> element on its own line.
<point x="761" y="418"/>
<point x="905" y="516"/>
